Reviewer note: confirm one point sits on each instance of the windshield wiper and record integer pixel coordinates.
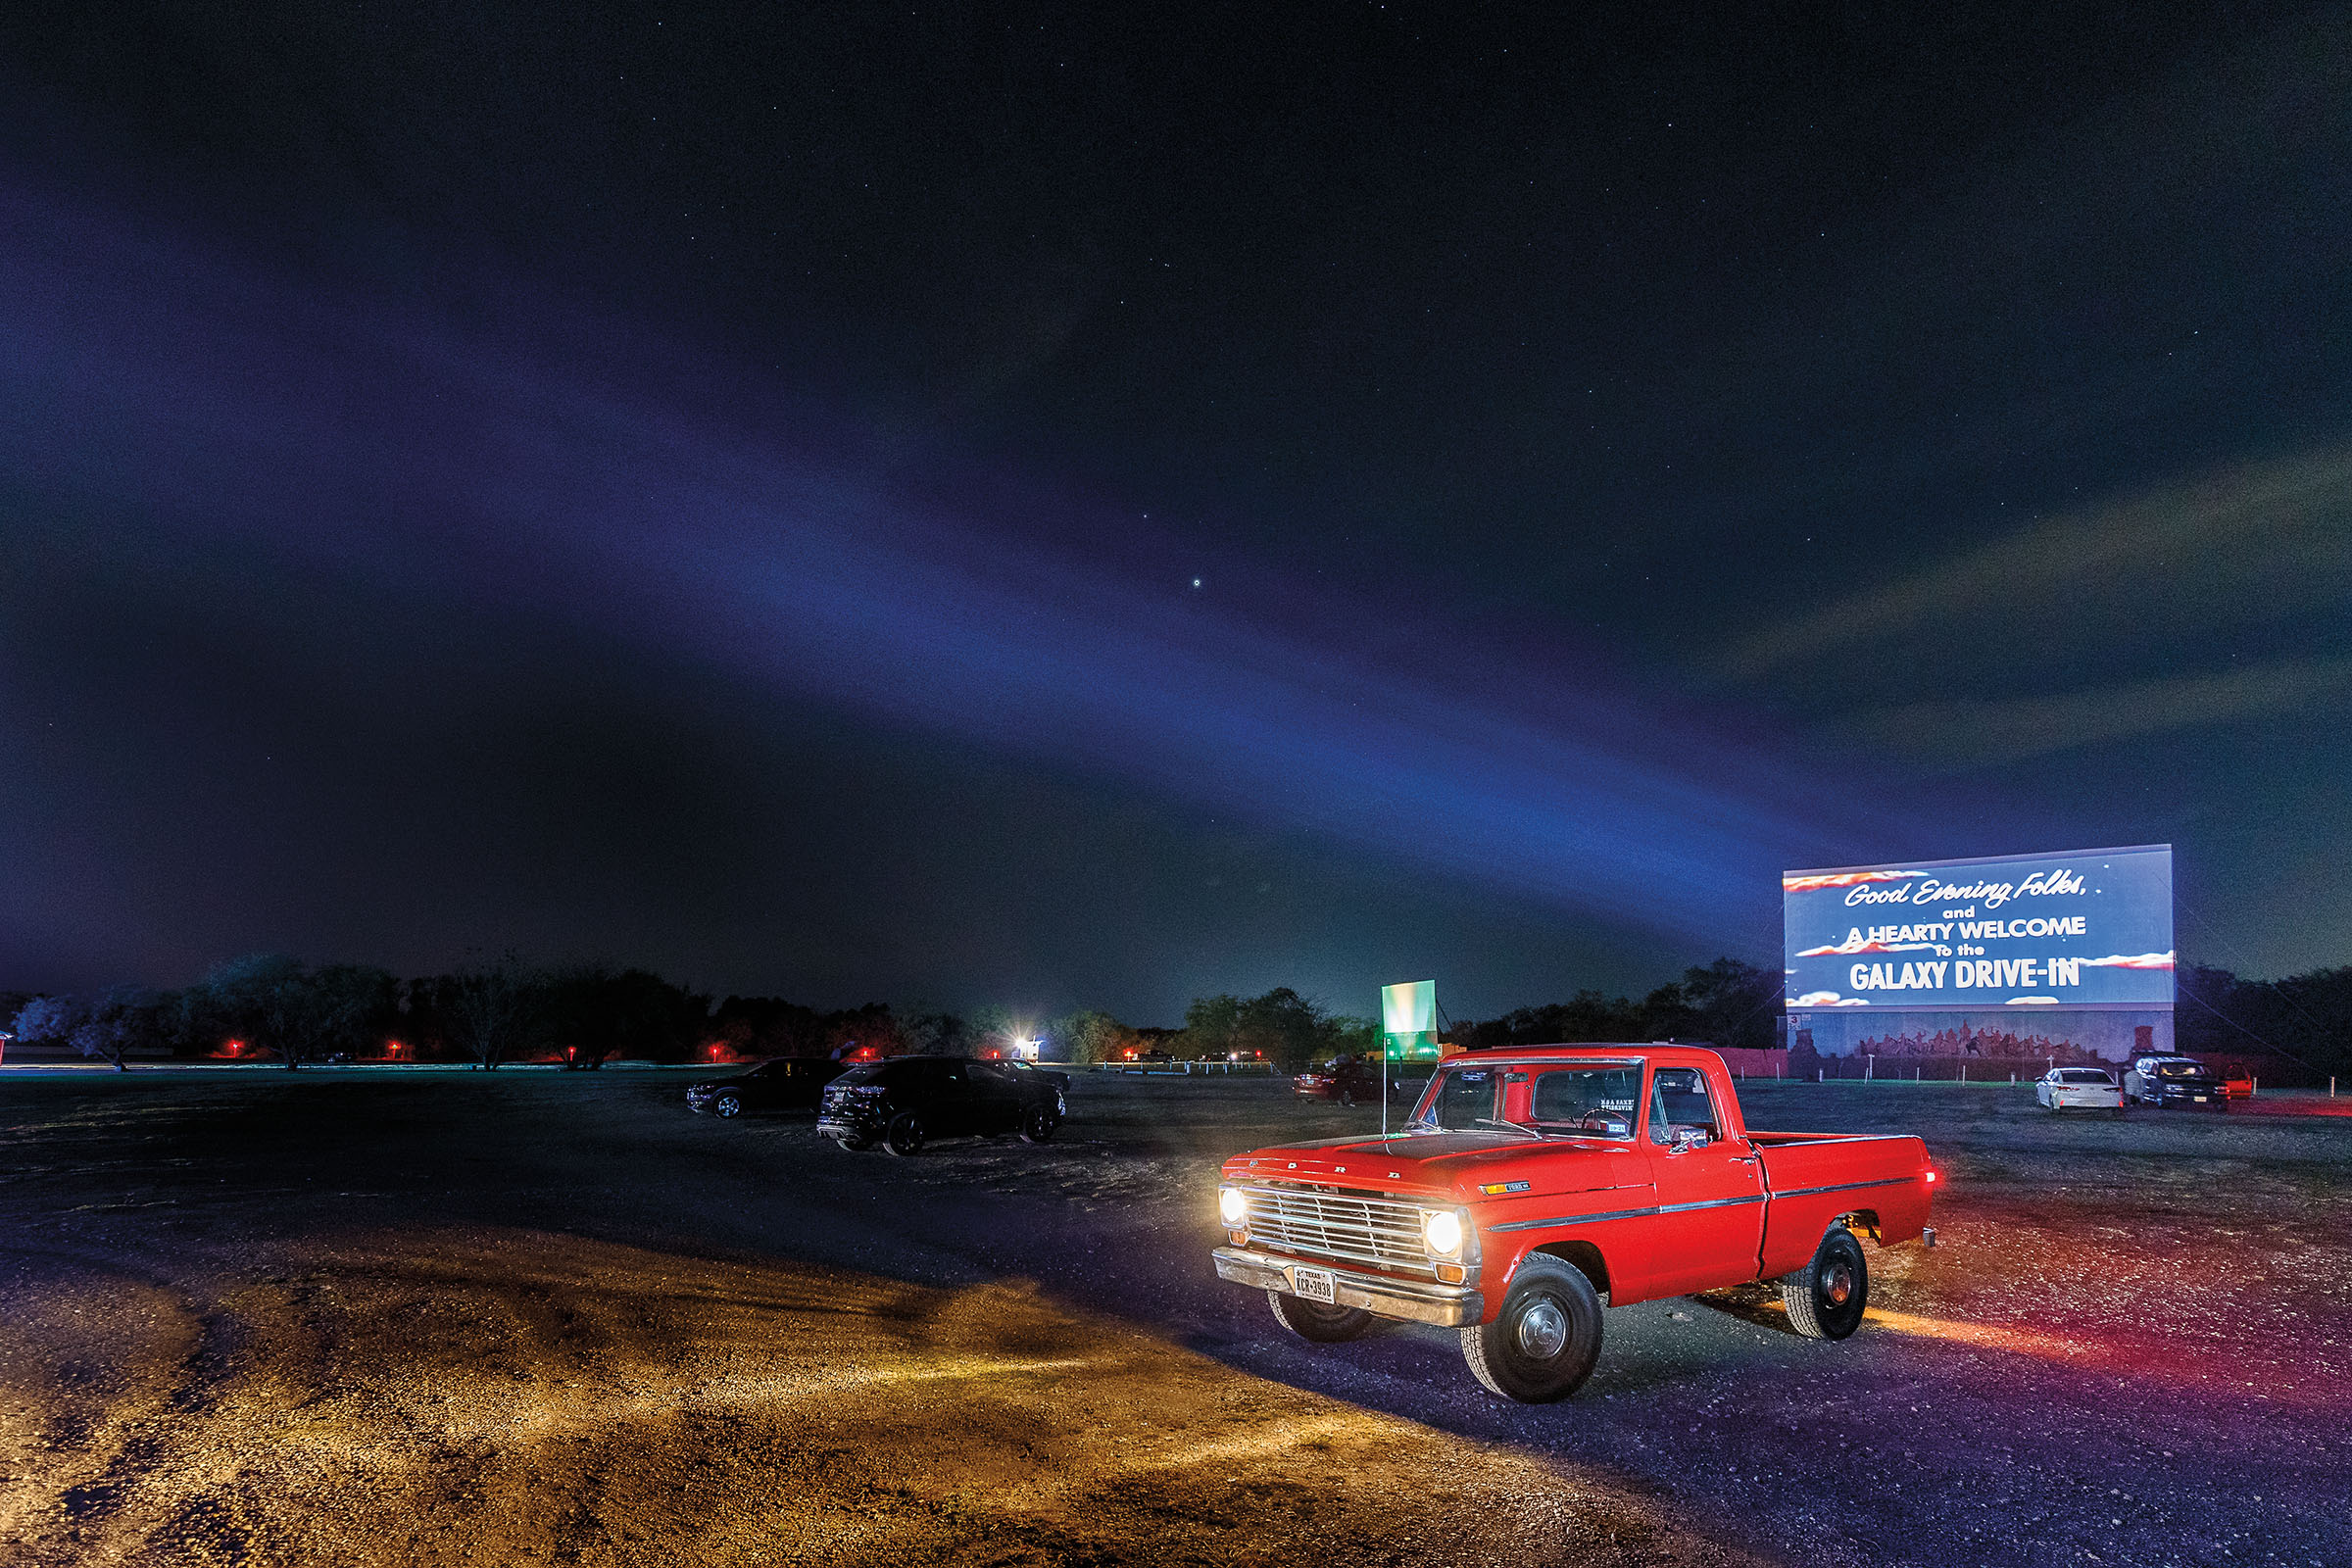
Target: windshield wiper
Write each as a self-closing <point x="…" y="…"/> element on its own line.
<point x="1497" y="1122"/>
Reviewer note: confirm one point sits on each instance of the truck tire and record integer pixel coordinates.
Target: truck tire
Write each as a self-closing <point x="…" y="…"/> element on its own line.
<point x="1826" y="1297"/>
<point x="728" y="1105"/>
<point x="1038" y="1124"/>
<point x="904" y="1134"/>
<point x="1542" y="1344"/>
<point x="1312" y="1320"/>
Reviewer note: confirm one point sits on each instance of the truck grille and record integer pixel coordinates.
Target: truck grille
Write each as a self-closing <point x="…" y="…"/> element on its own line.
<point x="1378" y="1231"/>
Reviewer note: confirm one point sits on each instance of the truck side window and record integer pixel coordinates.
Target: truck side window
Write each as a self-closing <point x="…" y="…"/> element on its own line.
<point x="1678" y="1101"/>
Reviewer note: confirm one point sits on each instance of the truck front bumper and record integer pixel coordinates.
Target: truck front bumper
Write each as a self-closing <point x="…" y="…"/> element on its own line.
<point x="1414" y="1300"/>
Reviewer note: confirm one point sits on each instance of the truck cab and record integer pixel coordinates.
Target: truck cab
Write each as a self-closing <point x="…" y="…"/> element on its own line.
<point x="1531" y="1186"/>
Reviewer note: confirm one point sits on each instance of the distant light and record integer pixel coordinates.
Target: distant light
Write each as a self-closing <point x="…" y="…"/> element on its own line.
<point x="1931" y="1177"/>
<point x="1196" y="582"/>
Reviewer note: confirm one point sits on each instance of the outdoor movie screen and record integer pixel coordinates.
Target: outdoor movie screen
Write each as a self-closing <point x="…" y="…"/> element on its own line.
<point x="2082" y="928"/>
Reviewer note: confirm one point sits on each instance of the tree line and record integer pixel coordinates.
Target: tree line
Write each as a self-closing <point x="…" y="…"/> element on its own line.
<point x="2306" y="1019"/>
<point x="276" y="1008"/>
<point x="273" y="1008"/>
<point x="269" y="1006"/>
<point x="1728" y="1003"/>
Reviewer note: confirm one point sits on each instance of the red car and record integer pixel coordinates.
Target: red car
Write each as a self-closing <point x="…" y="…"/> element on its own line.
<point x="2236" y="1084"/>
<point x="1533" y="1185"/>
<point x="1342" y="1080"/>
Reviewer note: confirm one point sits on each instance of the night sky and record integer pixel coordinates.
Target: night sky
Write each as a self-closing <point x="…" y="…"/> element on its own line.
<point x="1005" y="505"/>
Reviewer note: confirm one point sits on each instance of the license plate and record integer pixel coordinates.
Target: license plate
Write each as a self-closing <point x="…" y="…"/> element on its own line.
<point x="1314" y="1285"/>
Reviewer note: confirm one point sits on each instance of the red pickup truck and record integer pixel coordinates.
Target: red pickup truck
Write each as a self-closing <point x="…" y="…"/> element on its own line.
<point x="1534" y="1185"/>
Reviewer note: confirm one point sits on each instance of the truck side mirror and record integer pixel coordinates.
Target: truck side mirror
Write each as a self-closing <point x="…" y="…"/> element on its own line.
<point x="1686" y="1139"/>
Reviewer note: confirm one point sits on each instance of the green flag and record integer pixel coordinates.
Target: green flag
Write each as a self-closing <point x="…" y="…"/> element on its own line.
<point x="1408" y="1020"/>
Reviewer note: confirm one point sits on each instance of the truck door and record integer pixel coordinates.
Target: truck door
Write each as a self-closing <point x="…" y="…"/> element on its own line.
<point x="1710" y="1223"/>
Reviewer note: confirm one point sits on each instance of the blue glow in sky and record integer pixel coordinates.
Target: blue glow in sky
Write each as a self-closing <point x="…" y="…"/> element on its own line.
<point x="908" y="514"/>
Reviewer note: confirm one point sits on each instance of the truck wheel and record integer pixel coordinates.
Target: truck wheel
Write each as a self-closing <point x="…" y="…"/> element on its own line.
<point x="1038" y="1124"/>
<point x="905" y="1135"/>
<point x="1542" y="1344"/>
<point x="1312" y="1320"/>
<point x="728" y="1105"/>
<point x="1826" y="1297"/>
<point x="1347" y="1098"/>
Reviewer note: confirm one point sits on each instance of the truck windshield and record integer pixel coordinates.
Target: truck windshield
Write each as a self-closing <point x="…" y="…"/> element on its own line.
<point x="2181" y="1069"/>
<point x="1580" y="1101"/>
<point x="1465" y="1099"/>
<point x="1586" y="1102"/>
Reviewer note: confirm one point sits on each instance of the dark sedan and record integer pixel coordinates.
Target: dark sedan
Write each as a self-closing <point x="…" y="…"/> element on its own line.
<point x="905" y="1102"/>
<point x="788" y="1083"/>
<point x="1342" y="1080"/>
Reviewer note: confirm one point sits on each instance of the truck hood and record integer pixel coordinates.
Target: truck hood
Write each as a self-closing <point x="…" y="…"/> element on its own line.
<point x="1450" y="1165"/>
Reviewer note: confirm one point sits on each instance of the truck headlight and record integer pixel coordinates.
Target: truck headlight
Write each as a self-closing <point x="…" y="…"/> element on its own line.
<point x="1232" y="1208"/>
<point x="1442" y="1233"/>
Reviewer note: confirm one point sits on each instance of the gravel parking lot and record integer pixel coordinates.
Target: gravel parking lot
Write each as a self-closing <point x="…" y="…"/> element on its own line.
<point x="411" y="1316"/>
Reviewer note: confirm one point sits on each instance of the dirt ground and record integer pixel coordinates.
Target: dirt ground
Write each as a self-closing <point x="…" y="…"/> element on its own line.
<point x="406" y="1317"/>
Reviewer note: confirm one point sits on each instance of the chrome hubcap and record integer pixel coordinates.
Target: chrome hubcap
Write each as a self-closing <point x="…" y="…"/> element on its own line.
<point x="1542" y="1330"/>
<point x="1838" y="1284"/>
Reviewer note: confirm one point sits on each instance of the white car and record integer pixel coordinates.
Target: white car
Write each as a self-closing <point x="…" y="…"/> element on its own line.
<point x="2079" y="1089"/>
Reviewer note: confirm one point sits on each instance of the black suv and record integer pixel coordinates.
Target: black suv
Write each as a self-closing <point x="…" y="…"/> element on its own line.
<point x="905" y="1102"/>
<point x="788" y="1083"/>
<point x="2163" y="1081"/>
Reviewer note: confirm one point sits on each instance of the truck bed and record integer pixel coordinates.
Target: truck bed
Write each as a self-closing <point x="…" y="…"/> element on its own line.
<point x="1812" y="1178"/>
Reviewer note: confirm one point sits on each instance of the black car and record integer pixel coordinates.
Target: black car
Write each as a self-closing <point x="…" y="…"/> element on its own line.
<point x="2165" y="1080"/>
<point x="905" y="1102"/>
<point x="788" y="1083"/>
